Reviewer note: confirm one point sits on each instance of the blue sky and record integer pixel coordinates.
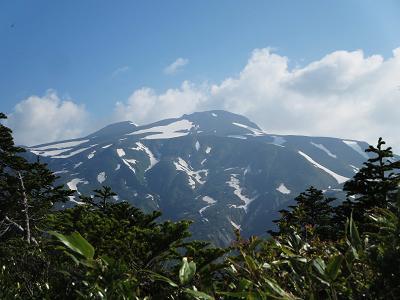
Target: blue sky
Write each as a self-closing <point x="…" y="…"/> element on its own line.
<point x="96" y="53"/>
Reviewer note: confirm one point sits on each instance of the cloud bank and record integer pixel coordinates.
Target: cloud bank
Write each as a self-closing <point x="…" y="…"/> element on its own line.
<point x="37" y="120"/>
<point x="344" y="94"/>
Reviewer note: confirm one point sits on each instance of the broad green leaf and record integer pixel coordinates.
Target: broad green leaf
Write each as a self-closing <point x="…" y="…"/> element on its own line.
<point x="159" y="277"/>
<point x="76" y="243"/>
<point x="333" y="267"/>
<point x="250" y="263"/>
<point x="198" y="294"/>
<point x="319" y="265"/>
<point x="277" y="290"/>
<point x="186" y="271"/>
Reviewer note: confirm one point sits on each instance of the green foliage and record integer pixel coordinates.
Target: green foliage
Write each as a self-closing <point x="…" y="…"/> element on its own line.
<point x="106" y="250"/>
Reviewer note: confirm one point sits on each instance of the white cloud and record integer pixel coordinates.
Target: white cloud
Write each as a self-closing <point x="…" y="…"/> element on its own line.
<point x="37" y="120"/>
<point x="146" y="105"/>
<point x="344" y="94"/>
<point x="177" y="65"/>
<point x="120" y="71"/>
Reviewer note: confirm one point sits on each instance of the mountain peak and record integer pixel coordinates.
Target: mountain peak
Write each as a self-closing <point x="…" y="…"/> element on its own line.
<point x="119" y="128"/>
<point x="215" y="122"/>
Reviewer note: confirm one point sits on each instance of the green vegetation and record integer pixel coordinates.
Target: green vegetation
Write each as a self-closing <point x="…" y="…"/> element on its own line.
<point x="107" y="250"/>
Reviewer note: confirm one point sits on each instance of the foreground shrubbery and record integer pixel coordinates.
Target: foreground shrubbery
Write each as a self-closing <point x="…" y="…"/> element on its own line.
<point x="103" y="250"/>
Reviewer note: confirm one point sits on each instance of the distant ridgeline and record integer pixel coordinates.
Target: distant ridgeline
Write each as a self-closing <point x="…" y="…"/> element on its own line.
<point x="216" y="168"/>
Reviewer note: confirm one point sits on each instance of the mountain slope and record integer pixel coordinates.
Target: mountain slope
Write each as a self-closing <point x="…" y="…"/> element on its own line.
<point x="216" y="168"/>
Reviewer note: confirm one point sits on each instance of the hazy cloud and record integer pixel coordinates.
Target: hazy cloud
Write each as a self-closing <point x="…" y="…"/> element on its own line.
<point x="120" y="71"/>
<point x="37" y="120"/>
<point x="176" y="66"/>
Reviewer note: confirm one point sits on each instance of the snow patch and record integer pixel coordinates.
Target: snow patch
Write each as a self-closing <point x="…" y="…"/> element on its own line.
<point x="91" y="154"/>
<point x="339" y="178"/>
<point x="63" y="171"/>
<point x="120" y="152"/>
<point x="236" y="226"/>
<point x="238" y="137"/>
<point x="283" y="189"/>
<point x="172" y="130"/>
<point x="72" y="185"/>
<point x="203" y="209"/>
<point x="323" y="148"/>
<point x="152" y="158"/>
<point x="129" y="163"/>
<point x="247" y="170"/>
<point x="356" y="147"/>
<point x="238" y="191"/>
<point x="278" y="141"/>
<point x="209" y="200"/>
<point x="193" y="176"/>
<point x="43" y="152"/>
<point x="355" y="169"/>
<point x="72" y="153"/>
<point x="70" y="144"/>
<point x="101" y="177"/>
<point x="254" y="131"/>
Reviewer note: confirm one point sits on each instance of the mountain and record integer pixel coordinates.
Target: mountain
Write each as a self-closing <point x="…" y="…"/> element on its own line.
<point x="216" y="168"/>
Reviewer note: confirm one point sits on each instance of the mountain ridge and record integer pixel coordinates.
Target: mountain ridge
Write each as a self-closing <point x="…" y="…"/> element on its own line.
<point x="216" y="168"/>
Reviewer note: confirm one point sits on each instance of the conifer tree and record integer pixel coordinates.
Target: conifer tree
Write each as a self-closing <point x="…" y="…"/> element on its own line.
<point x="311" y="212"/>
<point x="374" y="185"/>
<point x="27" y="191"/>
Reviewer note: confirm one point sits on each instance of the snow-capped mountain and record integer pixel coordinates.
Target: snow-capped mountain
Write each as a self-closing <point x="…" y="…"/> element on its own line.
<point x="216" y="168"/>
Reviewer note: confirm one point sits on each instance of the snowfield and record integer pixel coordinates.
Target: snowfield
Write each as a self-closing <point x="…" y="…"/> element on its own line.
<point x="283" y="189"/>
<point x="356" y="147"/>
<point x="237" y="190"/>
<point x="339" y="178"/>
<point x="169" y="131"/>
<point x="323" y="148"/>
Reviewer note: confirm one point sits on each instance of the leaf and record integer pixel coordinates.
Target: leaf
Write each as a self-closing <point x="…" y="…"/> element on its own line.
<point x="319" y="265"/>
<point x="275" y="288"/>
<point x="239" y="295"/>
<point x="186" y="271"/>
<point x="159" y="277"/>
<point x="76" y="243"/>
<point x="198" y="294"/>
<point x="354" y="235"/>
<point x="333" y="267"/>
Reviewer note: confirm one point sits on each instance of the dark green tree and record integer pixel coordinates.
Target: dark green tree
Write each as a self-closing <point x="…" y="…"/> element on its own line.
<point x="27" y="196"/>
<point x="27" y="191"/>
<point x="312" y="213"/>
<point x="374" y="185"/>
